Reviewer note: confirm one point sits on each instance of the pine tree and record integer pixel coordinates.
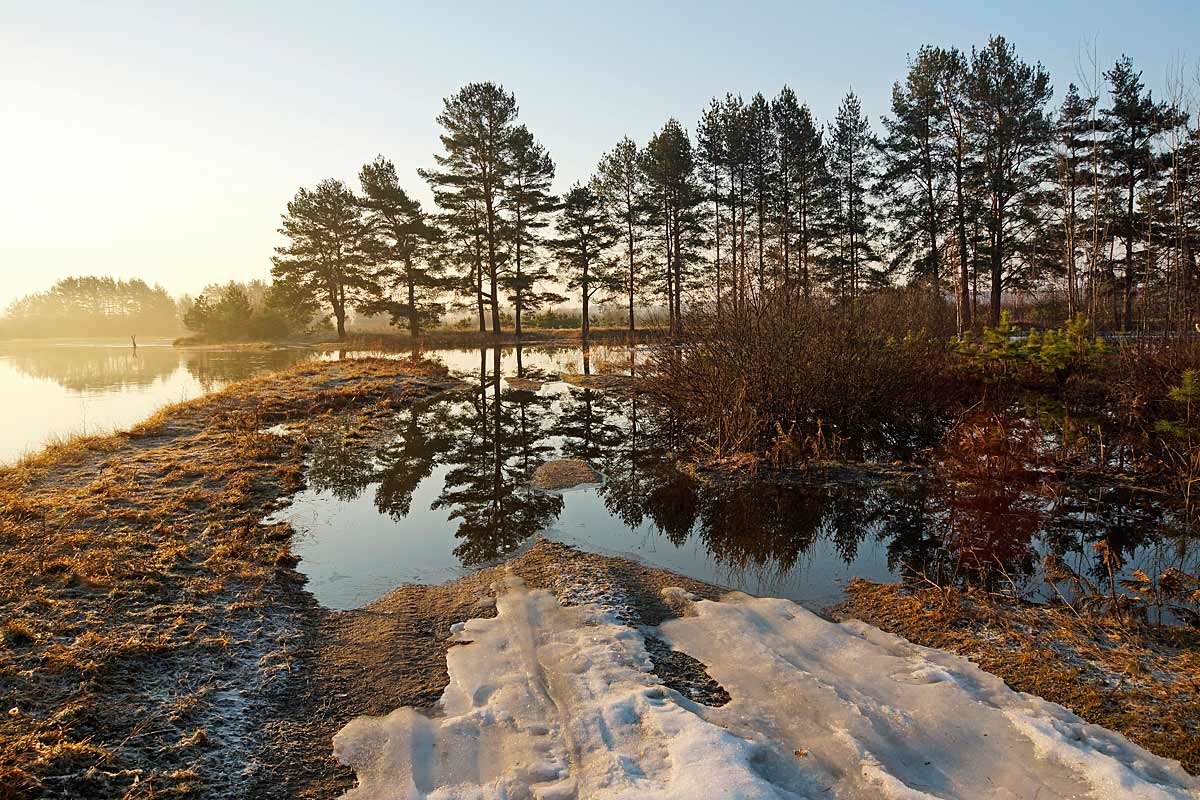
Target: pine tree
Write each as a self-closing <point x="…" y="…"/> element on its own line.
<point x="400" y="247"/>
<point x="951" y="68"/>
<point x="1073" y="158"/>
<point x="1134" y="120"/>
<point x="327" y="256"/>
<point x="584" y="235"/>
<point x="670" y="169"/>
<point x="804" y="186"/>
<point x="1181" y="192"/>
<point x="478" y="123"/>
<point x="735" y="150"/>
<point x="711" y="162"/>
<point x="762" y="156"/>
<point x="915" y="174"/>
<point x="853" y="166"/>
<point x="621" y="186"/>
<point x="1010" y="129"/>
<point x="527" y="200"/>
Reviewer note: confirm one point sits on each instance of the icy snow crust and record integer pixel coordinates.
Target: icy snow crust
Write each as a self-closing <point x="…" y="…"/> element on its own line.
<point x="552" y="702"/>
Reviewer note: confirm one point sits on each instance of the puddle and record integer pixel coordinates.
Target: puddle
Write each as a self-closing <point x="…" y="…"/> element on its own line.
<point x="446" y="489"/>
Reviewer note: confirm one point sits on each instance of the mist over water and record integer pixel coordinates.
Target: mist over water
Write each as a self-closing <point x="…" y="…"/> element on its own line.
<point x="51" y="390"/>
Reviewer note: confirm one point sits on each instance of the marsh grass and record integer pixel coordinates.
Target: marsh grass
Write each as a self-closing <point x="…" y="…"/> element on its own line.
<point x="144" y="604"/>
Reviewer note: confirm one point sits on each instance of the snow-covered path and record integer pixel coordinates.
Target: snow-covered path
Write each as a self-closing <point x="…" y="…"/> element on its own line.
<point x="552" y="702"/>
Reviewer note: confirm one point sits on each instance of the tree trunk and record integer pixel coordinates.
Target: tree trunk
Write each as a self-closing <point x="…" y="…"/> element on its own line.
<point x="518" y="294"/>
<point x="414" y="326"/>
<point x="632" y="269"/>
<point x="1127" y="311"/>
<point x="585" y="323"/>
<point x="492" y="269"/>
<point x="997" y="265"/>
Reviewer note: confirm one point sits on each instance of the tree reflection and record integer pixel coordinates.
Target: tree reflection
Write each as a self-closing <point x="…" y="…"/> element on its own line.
<point x="494" y="447"/>
<point x="986" y="512"/>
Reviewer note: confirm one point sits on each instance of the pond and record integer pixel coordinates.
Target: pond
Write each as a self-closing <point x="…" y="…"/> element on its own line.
<point x="56" y="389"/>
<point x="445" y="488"/>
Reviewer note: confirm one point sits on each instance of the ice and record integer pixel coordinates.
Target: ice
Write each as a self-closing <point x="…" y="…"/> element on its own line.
<point x="552" y="702"/>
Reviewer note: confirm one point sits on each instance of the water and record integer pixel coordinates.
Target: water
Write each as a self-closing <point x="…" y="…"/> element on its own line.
<point x="52" y="390"/>
<point x="445" y="489"/>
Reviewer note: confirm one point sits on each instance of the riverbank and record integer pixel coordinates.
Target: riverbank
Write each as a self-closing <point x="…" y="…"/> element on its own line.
<point x="147" y="611"/>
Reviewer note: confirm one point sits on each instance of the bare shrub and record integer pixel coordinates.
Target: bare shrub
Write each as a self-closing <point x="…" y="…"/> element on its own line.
<point x="788" y="379"/>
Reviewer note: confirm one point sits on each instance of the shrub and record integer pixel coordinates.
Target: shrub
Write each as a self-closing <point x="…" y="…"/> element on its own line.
<point x="790" y="380"/>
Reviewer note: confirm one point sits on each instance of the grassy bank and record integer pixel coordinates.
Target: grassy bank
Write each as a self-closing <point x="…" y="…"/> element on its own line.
<point x="147" y="611"/>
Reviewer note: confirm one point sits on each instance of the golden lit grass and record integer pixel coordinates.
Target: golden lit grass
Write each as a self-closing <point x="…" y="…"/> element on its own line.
<point x="563" y="473"/>
<point x="1140" y="680"/>
<point x="137" y="583"/>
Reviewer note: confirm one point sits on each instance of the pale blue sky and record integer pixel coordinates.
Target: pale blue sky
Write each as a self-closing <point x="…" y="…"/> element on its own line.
<point x="163" y="141"/>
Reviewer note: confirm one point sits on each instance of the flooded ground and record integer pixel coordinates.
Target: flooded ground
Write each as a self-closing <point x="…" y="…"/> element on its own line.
<point x="446" y="489"/>
<point x="56" y="389"/>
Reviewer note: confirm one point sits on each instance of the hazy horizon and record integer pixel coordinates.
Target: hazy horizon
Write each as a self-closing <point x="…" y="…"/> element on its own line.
<point x="164" y="144"/>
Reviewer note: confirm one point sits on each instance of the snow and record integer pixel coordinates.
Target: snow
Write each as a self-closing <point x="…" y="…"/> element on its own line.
<point x="546" y="701"/>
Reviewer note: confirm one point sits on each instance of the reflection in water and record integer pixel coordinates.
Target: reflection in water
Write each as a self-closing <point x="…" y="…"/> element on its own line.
<point x="447" y="487"/>
<point x="57" y="389"/>
<point x="90" y="367"/>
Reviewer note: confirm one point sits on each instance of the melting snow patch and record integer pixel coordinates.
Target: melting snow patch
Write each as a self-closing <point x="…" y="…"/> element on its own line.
<point x="546" y="701"/>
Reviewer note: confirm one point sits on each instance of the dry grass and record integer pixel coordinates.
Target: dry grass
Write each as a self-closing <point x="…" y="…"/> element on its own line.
<point x="1142" y="681"/>
<point x="145" y="607"/>
<point x="563" y="473"/>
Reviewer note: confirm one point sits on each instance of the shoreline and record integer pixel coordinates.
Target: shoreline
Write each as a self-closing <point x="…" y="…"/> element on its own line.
<point x="157" y="634"/>
<point x="148" y="611"/>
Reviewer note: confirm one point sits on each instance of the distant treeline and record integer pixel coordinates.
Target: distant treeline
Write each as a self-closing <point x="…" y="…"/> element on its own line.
<point x="973" y="187"/>
<point x="92" y="306"/>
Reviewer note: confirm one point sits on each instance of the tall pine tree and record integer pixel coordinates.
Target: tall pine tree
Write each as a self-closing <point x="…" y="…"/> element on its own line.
<point x="1006" y="113"/>
<point x="327" y="256"/>
<point x="854" y="169"/>
<point x="477" y="123"/>
<point x="621" y="185"/>
<point x="527" y="200"/>
<point x="400" y="248"/>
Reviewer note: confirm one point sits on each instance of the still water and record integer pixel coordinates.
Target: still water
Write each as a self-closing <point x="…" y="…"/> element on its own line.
<point x="445" y="488"/>
<point x="56" y="389"/>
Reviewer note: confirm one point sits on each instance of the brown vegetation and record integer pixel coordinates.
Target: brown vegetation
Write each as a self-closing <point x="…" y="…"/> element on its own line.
<point x="448" y="337"/>
<point x="797" y="379"/>
<point x="146" y="607"/>
<point x="563" y="473"/>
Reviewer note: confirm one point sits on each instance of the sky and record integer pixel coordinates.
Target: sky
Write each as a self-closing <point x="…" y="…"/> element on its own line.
<point x="163" y="140"/>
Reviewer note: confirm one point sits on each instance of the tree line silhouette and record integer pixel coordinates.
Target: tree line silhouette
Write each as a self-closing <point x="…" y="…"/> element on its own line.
<point x="974" y="188"/>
